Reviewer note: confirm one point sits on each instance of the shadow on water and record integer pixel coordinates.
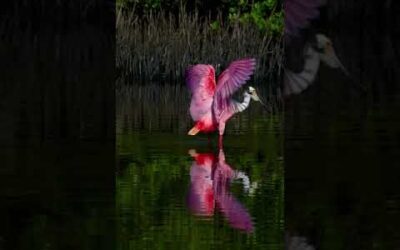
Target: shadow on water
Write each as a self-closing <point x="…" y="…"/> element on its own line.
<point x="168" y="199"/>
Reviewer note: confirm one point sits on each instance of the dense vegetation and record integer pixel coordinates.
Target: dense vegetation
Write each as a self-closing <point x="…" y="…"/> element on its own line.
<point x="266" y="14"/>
<point x="157" y="40"/>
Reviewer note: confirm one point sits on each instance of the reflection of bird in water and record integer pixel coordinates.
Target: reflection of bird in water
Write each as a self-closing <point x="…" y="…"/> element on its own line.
<point x="212" y="104"/>
<point x="210" y="178"/>
<point x="305" y="50"/>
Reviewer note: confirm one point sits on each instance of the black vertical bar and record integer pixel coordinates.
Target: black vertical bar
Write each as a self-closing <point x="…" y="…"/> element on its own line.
<point x="57" y="132"/>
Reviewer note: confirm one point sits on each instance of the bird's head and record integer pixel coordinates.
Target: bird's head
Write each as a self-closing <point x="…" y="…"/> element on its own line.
<point x="328" y="54"/>
<point x="253" y="94"/>
<point x="323" y="42"/>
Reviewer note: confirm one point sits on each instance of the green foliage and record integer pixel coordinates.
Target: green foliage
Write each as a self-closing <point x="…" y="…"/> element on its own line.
<point x="267" y="15"/>
<point x="146" y="5"/>
<point x="215" y="25"/>
<point x="262" y="13"/>
<point x="124" y="3"/>
<point x="275" y="23"/>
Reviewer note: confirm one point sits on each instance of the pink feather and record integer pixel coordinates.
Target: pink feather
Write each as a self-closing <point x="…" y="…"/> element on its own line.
<point x="229" y="81"/>
<point x="200" y="79"/>
<point x="234" y="212"/>
<point x="208" y="188"/>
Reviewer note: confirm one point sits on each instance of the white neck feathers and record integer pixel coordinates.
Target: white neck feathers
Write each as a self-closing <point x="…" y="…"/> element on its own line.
<point x="245" y="104"/>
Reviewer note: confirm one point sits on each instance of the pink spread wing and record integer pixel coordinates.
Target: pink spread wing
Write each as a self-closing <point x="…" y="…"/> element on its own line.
<point x="235" y="212"/>
<point x="230" y="80"/>
<point x="200" y="80"/>
<point x="298" y="14"/>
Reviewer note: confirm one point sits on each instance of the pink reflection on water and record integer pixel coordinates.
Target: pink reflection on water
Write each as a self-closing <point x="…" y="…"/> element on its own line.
<point x="210" y="179"/>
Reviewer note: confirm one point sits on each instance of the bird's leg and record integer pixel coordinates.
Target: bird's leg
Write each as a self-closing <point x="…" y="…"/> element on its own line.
<point x="221" y="128"/>
<point x="221" y="155"/>
<point x="220" y="144"/>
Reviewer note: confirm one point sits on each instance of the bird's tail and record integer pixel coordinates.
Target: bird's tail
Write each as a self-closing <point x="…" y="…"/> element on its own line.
<point x="194" y="130"/>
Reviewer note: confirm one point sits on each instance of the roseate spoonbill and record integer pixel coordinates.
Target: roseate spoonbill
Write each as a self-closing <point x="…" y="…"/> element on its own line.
<point x="305" y="51"/>
<point x="210" y="177"/>
<point x="212" y="104"/>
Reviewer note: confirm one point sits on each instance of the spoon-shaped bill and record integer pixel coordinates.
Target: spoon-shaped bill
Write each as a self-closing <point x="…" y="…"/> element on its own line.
<point x="256" y="98"/>
<point x="330" y="58"/>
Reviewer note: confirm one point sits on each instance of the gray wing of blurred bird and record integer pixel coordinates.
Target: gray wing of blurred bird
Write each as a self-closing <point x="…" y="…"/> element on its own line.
<point x="296" y="81"/>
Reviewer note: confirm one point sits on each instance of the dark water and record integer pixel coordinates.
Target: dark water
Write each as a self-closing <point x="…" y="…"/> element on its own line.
<point x="57" y="197"/>
<point x="342" y="182"/>
<point x="342" y="179"/>
<point x="342" y="152"/>
<point x="168" y="199"/>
